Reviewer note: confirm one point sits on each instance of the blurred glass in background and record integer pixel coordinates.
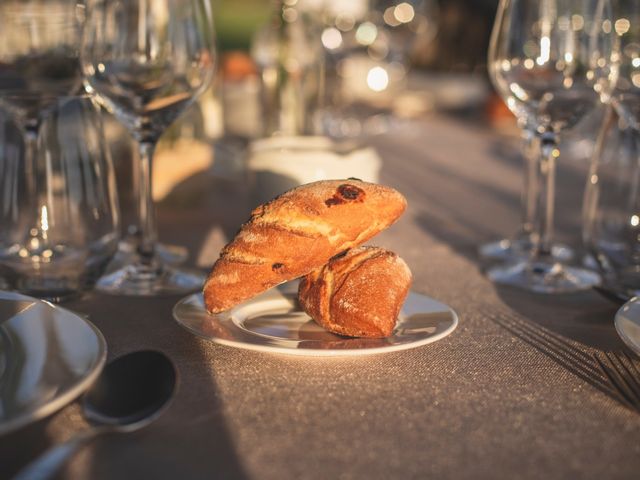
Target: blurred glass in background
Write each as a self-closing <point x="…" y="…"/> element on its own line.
<point x="368" y="49"/>
<point x="289" y="59"/>
<point x="381" y="60"/>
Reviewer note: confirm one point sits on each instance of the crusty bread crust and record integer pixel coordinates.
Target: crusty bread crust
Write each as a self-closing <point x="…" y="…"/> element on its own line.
<point x="298" y="232"/>
<point x="358" y="294"/>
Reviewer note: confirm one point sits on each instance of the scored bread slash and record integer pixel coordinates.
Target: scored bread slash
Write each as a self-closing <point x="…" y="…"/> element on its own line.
<point x="297" y="232"/>
<point x="358" y="294"/>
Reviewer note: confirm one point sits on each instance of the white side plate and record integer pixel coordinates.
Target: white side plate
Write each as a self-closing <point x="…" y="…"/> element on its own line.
<point x="273" y="322"/>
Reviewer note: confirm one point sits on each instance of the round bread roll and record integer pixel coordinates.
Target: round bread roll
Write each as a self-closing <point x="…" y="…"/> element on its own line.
<point x="358" y="294"/>
<point x="297" y="232"/>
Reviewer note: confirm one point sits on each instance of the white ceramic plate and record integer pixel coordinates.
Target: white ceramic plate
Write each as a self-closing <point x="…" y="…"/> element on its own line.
<point x="48" y="357"/>
<point x="628" y="324"/>
<point x="273" y="322"/>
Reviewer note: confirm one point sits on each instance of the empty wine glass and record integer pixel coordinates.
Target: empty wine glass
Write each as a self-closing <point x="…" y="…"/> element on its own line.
<point x="38" y="55"/>
<point x="146" y="62"/>
<point x="287" y="51"/>
<point x="38" y="61"/>
<point x="407" y="22"/>
<point x="368" y="47"/>
<point x="542" y="55"/>
<point x="519" y="246"/>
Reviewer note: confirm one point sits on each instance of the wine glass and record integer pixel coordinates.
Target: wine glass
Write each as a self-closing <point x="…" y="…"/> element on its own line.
<point x="146" y="62"/>
<point x="367" y="48"/>
<point x="544" y="54"/>
<point x="38" y="56"/>
<point x="38" y="62"/>
<point x="519" y="246"/>
<point x="287" y="53"/>
<point x="407" y="22"/>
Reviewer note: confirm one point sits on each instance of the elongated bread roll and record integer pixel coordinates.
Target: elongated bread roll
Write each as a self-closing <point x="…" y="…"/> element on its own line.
<point x="358" y="294"/>
<point x="296" y="233"/>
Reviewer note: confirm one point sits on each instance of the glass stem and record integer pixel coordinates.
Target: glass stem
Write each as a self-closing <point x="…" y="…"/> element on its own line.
<point x="147" y="233"/>
<point x="530" y="181"/>
<point x="591" y="192"/>
<point x="543" y="238"/>
<point x="31" y="131"/>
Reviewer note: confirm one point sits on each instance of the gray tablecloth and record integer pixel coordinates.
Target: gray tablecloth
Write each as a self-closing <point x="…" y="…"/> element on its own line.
<point x="512" y="393"/>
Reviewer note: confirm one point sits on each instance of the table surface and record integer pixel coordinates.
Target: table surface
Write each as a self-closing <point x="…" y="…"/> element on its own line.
<point x="512" y="393"/>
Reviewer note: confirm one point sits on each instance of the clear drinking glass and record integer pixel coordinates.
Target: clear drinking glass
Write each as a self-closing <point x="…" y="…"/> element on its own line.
<point x="38" y="55"/>
<point x="59" y="215"/>
<point x="368" y="47"/>
<point x="39" y="51"/>
<point x="612" y="197"/>
<point x="287" y="51"/>
<point x="405" y="22"/>
<point x="544" y="58"/>
<point x="611" y="228"/>
<point x="519" y="246"/>
<point x="622" y="84"/>
<point x="146" y="62"/>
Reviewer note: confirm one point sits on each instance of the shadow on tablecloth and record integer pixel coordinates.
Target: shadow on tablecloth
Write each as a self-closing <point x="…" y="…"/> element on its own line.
<point x="560" y="328"/>
<point x="192" y="439"/>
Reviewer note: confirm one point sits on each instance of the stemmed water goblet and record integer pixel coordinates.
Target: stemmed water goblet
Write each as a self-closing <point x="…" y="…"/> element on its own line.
<point x="544" y="55"/>
<point x="520" y="245"/>
<point x="38" y="58"/>
<point x="146" y="62"/>
<point x="38" y="62"/>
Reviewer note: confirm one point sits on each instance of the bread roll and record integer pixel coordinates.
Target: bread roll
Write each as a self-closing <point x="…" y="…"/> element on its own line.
<point x="296" y="233"/>
<point x="358" y="294"/>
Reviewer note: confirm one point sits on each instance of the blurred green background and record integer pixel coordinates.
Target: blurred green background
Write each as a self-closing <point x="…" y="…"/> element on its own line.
<point x="237" y="20"/>
<point x="460" y="44"/>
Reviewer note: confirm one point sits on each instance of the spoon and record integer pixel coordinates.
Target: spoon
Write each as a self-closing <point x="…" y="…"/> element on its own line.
<point x="131" y="392"/>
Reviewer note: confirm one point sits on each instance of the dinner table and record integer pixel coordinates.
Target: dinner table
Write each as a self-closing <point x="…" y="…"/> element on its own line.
<point x="513" y="392"/>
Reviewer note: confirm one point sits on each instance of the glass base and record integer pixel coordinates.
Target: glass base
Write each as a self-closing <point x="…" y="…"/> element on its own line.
<point x="140" y="280"/>
<point x="168" y="254"/>
<point x="543" y="277"/>
<point x="519" y="249"/>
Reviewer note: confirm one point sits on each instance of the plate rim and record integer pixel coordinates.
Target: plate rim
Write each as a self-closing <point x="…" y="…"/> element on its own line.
<point x="69" y="395"/>
<point x="619" y="318"/>
<point x="321" y="352"/>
